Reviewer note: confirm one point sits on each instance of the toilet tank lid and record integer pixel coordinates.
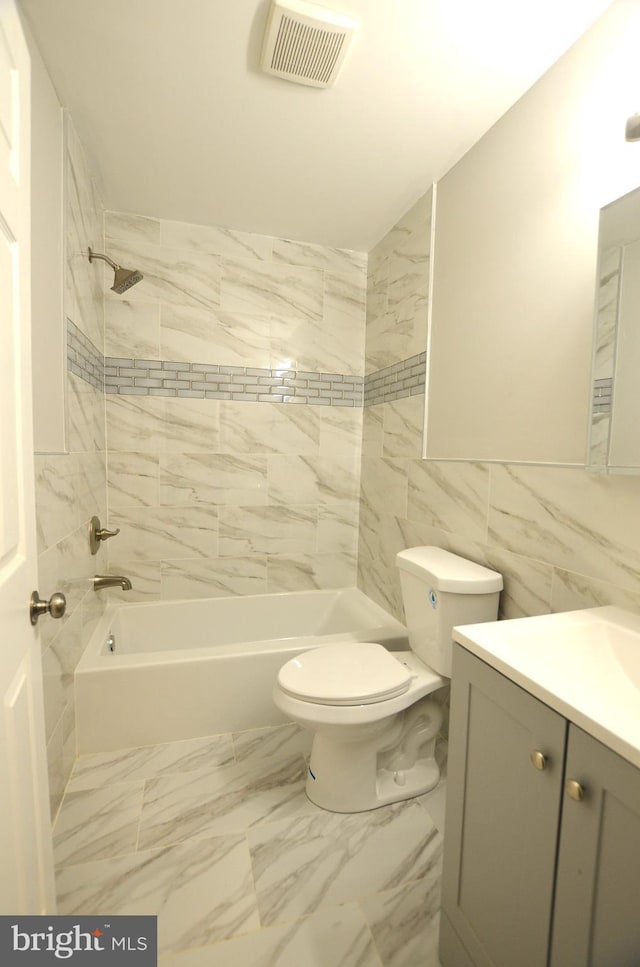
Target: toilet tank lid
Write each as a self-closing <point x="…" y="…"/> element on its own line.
<point x="448" y="572"/>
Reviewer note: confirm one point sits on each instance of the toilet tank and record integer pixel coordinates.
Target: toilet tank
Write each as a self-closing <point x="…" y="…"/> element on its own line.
<point x="441" y="590"/>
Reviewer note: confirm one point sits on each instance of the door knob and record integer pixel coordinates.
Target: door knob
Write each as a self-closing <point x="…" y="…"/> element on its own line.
<point x="55" y="606"/>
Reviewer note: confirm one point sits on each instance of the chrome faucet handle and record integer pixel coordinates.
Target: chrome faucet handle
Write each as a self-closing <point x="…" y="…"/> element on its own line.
<point x="98" y="533"/>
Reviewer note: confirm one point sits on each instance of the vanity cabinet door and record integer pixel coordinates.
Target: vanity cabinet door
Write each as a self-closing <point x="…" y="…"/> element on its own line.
<point x="501" y="822"/>
<point x="597" y="909"/>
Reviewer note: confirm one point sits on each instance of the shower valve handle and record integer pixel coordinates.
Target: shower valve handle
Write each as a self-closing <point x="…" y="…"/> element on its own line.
<point x="97" y="533"/>
<point x="103" y="534"/>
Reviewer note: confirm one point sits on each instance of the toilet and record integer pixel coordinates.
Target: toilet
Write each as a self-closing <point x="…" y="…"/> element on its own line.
<point x="374" y="726"/>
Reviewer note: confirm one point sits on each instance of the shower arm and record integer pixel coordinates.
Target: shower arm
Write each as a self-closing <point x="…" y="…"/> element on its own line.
<point x="96" y="255"/>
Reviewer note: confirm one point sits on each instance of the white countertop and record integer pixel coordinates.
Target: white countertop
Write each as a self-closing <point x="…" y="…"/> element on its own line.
<point x="584" y="664"/>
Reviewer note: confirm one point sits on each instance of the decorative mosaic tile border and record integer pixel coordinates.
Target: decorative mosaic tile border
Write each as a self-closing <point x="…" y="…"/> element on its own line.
<point x="155" y="377"/>
<point x="83" y="358"/>
<point x="161" y="377"/>
<point x="602" y="390"/>
<point x="406" y="378"/>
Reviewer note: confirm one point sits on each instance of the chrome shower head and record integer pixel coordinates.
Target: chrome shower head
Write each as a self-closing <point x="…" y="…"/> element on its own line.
<point x="123" y="278"/>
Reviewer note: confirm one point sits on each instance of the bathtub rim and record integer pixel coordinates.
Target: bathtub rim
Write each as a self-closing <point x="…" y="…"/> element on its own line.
<point x="392" y="633"/>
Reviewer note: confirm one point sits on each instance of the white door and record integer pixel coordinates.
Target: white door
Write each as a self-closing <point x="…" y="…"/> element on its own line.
<point x="26" y="878"/>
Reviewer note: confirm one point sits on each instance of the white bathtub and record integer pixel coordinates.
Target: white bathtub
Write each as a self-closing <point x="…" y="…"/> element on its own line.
<point x="189" y="668"/>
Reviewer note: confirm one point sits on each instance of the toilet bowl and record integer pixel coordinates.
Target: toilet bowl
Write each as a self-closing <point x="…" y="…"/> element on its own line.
<point x="374" y="726"/>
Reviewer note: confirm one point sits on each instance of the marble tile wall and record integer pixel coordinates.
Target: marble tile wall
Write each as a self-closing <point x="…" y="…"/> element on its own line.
<point x="222" y="491"/>
<point x="71" y="486"/>
<point x="396" y="338"/>
<point x="609" y="269"/>
<point x="562" y="537"/>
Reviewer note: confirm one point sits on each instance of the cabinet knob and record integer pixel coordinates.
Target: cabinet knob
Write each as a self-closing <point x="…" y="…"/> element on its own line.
<point x="574" y="790"/>
<point x="538" y="760"/>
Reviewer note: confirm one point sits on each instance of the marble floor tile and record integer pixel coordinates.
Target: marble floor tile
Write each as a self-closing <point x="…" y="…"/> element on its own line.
<point x="278" y="742"/>
<point x="98" y="823"/>
<point x="222" y="801"/>
<point x="240" y="868"/>
<point x="434" y="803"/>
<point x="306" y="862"/>
<point x="202" y="892"/>
<point x="338" y="936"/>
<point x="188" y="755"/>
<point x="404" y="922"/>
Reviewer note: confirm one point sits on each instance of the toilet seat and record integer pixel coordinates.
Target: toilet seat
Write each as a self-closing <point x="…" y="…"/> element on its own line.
<point x="345" y="674"/>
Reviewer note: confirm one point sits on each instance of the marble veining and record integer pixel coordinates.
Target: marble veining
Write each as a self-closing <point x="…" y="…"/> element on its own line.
<point x="254" y="286"/>
<point x="230" y="800"/>
<point x="132" y="329"/>
<point x="239" y="867"/>
<point x="409" y="912"/>
<point x="170" y="275"/>
<point x="570" y="592"/>
<point x="159" y="533"/>
<point x="279" y="741"/>
<point x="215" y="240"/>
<point x="267" y="530"/>
<point x="121" y="225"/>
<point x="133" y="479"/>
<point x="200" y="890"/>
<point x="339" y="935"/>
<point x="303" y="863"/>
<point x="212" y="578"/>
<point x="98" y="823"/>
<point x="402" y="427"/>
<point x="338" y="527"/>
<point x="85" y="416"/>
<point x="452" y="496"/>
<point x="299" y="571"/>
<point x="318" y="256"/>
<point x="130" y="765"/>
<point x="568" y="524"/>
<point x="238" y="339"/>
<point x="188" y="479"/>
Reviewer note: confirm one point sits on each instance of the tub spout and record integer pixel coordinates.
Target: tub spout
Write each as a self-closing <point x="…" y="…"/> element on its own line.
<point x="102" y="581"/>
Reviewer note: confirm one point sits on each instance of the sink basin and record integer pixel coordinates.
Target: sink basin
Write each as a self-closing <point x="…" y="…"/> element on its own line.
<point x="584" y="664"/>
<point x="625" y="646"/>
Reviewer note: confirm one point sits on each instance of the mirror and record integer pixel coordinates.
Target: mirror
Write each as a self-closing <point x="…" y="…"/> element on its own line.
<point x="614" y="430"/>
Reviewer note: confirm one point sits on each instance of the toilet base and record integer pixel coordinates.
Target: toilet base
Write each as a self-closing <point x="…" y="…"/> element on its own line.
<point x="375" y="765"/>
<point x="390" y="787"/>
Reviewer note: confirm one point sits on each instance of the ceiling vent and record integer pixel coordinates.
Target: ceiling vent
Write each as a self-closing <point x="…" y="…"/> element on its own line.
<point x="305" y="43"/>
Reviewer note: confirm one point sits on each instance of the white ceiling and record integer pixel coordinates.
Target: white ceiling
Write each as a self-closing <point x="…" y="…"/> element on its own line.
<point x="180" y="123"/>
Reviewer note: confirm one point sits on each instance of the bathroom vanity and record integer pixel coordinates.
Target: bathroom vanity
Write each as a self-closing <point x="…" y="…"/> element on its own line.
<point x="542" y="837"/>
